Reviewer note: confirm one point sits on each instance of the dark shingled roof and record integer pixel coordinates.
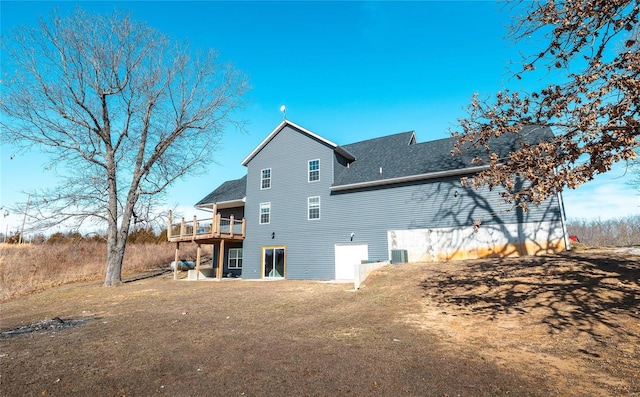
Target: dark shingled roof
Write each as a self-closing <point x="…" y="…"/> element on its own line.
<point x="398" y="158"/>
<point x="228" y="191"/>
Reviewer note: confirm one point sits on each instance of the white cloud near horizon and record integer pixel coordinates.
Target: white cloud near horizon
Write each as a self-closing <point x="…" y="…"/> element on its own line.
<point x="608" y="196"/>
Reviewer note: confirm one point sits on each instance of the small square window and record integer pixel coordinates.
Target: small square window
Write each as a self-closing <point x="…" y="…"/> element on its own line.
<point x="265" y="179"/>
<point x="314" y="170"/>
<point x="235" y="258"/>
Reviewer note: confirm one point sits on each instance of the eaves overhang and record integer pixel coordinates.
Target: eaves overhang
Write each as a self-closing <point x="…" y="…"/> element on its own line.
<point x="222" y="204"/>
<point x="408" y="178"/>
<point x="345" y="153"/>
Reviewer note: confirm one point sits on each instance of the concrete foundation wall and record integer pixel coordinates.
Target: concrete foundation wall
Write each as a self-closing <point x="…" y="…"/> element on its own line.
<point x="363" y="270"/>
<point x="468" y="242"/>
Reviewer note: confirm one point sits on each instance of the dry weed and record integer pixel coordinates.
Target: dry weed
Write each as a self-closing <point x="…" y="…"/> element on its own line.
<point x="34" y="267"/>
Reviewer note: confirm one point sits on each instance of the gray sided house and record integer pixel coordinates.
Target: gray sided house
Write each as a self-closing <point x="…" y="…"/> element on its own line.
<point x="313" y="208"/>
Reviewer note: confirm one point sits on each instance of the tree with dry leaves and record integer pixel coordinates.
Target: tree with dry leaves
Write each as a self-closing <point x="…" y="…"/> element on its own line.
<point x="121" y="108"/>
<point x="591" y="55"/>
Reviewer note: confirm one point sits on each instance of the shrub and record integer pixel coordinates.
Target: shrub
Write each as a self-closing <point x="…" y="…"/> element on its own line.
<point x="142" y="236"/>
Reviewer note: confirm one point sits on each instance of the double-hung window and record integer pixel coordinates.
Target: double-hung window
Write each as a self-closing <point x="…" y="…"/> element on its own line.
<point x="265" y="213"/>
<point x="313" y="206"/>
<point x="314" y="170"/>
<point x="265" y="179"/>
<point x="235" y="258"/>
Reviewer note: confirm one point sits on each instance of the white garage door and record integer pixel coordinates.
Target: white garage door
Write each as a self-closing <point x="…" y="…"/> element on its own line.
<point x="347" y="256"/>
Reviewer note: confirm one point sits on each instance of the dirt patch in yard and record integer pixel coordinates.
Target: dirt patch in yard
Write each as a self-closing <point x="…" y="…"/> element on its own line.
<point x="566" y="325"/>
<point x="572" y="320"/>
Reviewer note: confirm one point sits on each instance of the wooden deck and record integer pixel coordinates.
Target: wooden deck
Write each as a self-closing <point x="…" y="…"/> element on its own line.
<point x="215" y="230"/>
<point x="206" y="231"/>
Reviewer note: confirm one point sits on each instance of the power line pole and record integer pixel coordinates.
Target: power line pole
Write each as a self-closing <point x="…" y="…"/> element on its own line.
<point x="21" y="238"/>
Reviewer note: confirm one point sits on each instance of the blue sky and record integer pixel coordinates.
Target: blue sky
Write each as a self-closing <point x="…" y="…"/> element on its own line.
<point x="347" y="71"/>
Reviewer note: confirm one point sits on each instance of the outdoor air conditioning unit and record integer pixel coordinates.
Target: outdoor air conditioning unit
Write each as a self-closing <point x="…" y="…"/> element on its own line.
<point x="399" y="256"/>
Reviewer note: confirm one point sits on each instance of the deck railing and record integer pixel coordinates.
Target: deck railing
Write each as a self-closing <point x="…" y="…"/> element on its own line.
<point x="213" y="227"/>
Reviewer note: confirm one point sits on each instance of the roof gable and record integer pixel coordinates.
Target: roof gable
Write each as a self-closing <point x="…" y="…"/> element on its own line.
<point x="300" y="129"/>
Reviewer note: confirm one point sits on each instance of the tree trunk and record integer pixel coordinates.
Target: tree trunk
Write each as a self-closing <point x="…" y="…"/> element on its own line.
<point x="115" y="258"/>
<point x="117" y="237"/>
<point x="117" y="243"/>
<point x="115" y="247"/>
<point x="115" y="253"/>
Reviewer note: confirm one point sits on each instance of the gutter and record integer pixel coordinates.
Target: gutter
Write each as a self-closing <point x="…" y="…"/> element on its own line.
<point x="409" y="178"/>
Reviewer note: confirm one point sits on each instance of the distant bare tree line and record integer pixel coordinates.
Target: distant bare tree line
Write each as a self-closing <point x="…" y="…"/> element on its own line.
<point x="140" y="235"/>
<point x="612" y="232"/>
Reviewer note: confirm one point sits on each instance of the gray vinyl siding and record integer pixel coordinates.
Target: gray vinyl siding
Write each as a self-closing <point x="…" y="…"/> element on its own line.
<point x="288" y="155"/>
<point x="367" y="213"/>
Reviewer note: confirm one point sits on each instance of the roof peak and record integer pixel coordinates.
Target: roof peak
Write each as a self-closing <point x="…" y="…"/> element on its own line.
<point x="279" y="128"/>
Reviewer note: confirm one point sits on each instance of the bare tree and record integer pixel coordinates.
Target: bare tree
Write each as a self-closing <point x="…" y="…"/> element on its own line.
<point x="591" y="52"/>
<point x="122" y="108"/>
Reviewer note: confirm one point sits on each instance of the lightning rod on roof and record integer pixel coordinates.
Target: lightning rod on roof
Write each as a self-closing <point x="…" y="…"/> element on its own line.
<point x="283" y="109"/>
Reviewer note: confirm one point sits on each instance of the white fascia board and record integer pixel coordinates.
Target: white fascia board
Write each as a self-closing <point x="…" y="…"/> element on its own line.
<point x="409" y="178"/>
<point x="276" y="131"/>
<point x="223" y="204"/>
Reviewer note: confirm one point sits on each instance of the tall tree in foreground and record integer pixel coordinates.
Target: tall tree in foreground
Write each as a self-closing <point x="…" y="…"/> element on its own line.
<point x="592" y="48"/>
<point x="120" y="107"/>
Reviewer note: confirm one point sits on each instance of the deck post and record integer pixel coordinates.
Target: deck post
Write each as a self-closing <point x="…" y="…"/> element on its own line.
<point x="195" y="226"/>
<point x="198" y="262"/>
<point x="244" y="226"/>
<point x="214" y="227"/>
<point x="218" y="228"/>
<point x="183" y="227"/>
<point x="169" y="226"/>
<point x="175" y="263"/>
<point x="220" y="260"/>
<point x="231" y="222"/>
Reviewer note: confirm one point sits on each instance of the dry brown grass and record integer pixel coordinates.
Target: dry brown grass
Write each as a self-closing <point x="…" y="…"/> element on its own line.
<point x="558" y="325"/>
<point x="28" y="268"/>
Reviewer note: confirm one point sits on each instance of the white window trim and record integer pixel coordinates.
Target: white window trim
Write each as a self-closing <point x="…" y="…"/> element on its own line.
<point x="262" y="178"/>
<point x="268" y="205"/>
<point x="309" y="208"/>
<point x="309" y="171"/>
<point x="236" y="258"/>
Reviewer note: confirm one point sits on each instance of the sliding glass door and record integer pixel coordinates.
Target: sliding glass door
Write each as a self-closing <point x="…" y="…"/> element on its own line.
<point x="273" y="262"/>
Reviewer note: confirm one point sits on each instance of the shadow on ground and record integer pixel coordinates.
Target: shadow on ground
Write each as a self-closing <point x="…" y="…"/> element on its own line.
<point x="583" y="293"/>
